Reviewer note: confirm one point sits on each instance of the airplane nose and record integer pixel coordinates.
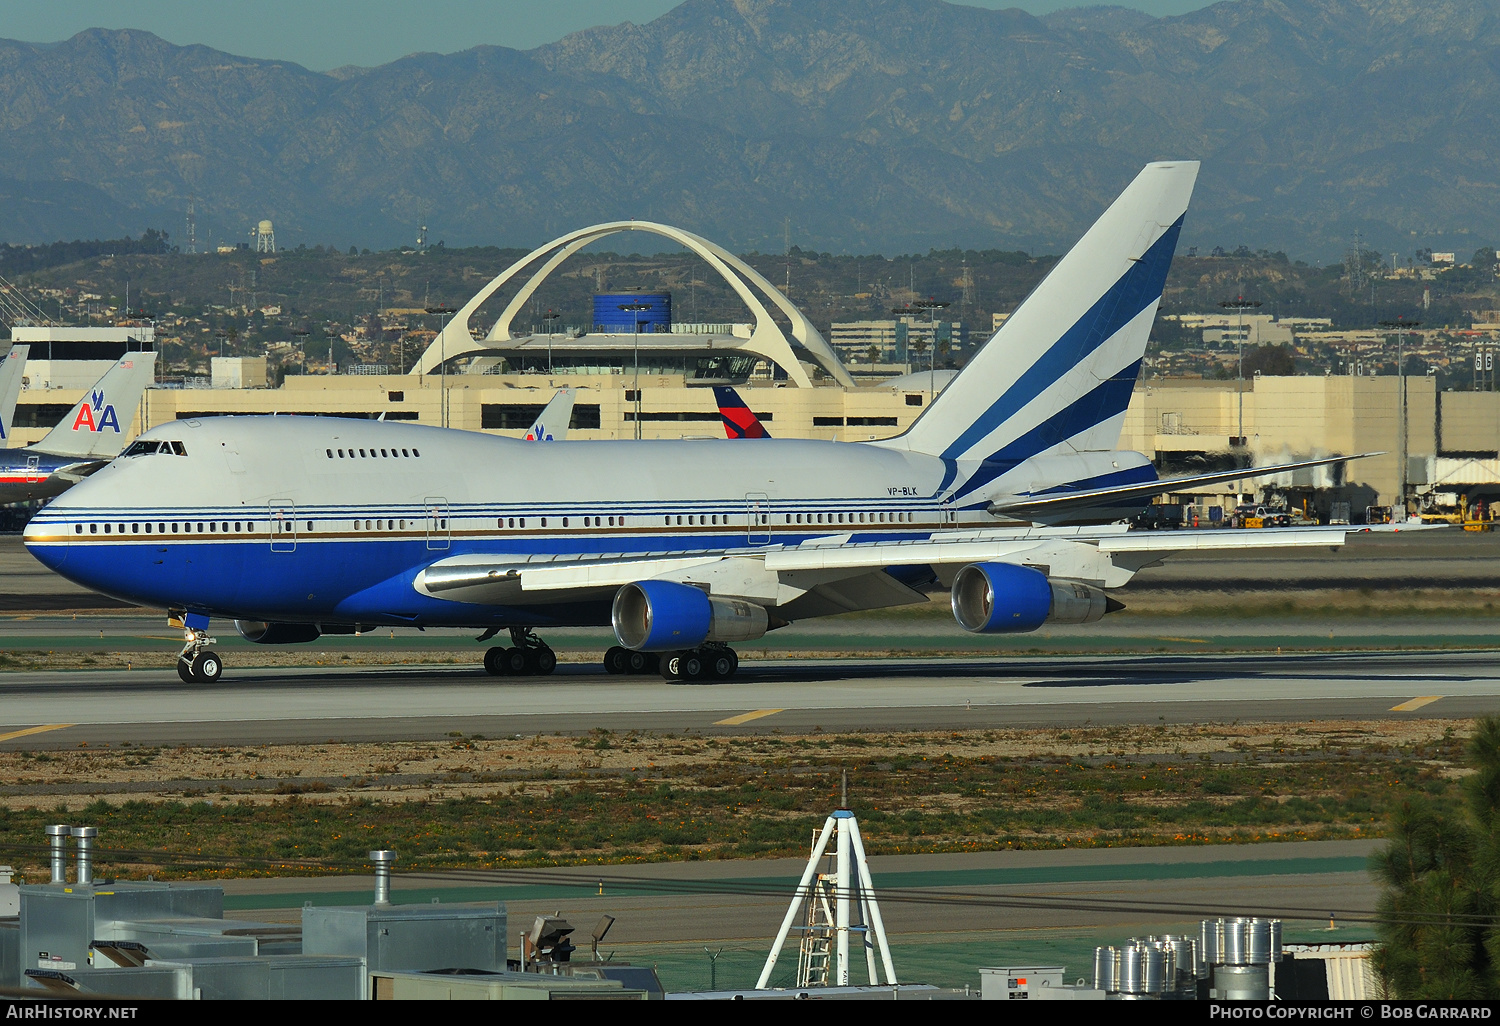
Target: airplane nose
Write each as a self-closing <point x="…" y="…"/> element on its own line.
<point x="47" y="543"/>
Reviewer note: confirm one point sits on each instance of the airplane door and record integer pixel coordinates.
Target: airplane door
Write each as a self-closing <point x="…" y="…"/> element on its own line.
<point x="757" y="518"/>
<point x="439" y="535"/>
<point x="283" y="519"/>
<point x="33" y="469"/>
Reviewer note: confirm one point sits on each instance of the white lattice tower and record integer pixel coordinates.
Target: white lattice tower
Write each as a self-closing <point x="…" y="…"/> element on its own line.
<point x="847" y="897"/>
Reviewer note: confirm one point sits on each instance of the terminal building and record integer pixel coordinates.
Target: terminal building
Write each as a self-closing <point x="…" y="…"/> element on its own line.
<point x="635" y="358"/>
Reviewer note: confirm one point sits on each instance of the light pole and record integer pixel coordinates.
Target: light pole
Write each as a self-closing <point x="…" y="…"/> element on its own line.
<point x="932" y="306"/>
<point x="907" y="311"/>
<point x="443" y="363"/>
<point x="301" y="343"/>
<point x="550" y="317"/>
<point x="1401" y="325"/>
<point x="636" y="309"/>
<point x="1240" y="304"/>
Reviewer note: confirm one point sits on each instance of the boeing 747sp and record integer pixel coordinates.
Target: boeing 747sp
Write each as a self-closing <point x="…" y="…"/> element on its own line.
<point x="1006" y="491"/>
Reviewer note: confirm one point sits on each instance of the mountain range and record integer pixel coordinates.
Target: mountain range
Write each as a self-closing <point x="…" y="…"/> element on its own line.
<point x="864" y="125"/>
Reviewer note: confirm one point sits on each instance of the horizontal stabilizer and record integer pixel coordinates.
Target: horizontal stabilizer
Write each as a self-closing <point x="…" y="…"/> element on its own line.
<point x="1060" y="504"/>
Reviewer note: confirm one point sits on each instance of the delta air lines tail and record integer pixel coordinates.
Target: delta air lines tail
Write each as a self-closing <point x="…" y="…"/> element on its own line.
<point x="739" y="421"/>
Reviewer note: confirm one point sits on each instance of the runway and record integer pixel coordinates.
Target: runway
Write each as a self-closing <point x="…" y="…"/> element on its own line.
<point x="63" y="709"/>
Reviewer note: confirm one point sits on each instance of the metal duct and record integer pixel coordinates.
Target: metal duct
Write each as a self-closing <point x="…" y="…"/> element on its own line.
<point x="84" y="838"/>
<point x="383" y="860"/>
<point x="57" y="841"/>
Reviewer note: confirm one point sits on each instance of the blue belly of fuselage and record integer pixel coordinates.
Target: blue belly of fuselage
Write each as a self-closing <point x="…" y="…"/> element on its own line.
<point x="362" y="579"/>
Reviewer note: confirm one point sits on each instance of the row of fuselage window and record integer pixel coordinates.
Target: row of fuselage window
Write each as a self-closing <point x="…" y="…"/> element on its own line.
<point x="352" y="454"/>
<point x="682" y="520"/>
<point x="197" y="526"/>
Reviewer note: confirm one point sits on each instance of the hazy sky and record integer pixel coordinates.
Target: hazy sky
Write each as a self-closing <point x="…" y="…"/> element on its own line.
<point x="321" y="34"/>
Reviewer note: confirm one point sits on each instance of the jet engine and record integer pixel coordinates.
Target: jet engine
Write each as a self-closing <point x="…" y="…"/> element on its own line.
<point x="663" y="616"/>
<point x="1002" y="598"/>
<point x="263" y="633"/>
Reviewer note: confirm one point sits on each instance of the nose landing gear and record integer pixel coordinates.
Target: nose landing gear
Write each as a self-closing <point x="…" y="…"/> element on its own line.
<point x="530" y="656"/>
<point x="197" y="663"/>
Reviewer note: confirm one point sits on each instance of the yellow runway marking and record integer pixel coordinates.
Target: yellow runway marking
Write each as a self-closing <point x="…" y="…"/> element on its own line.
<point x="733" y="721"/>
<point x="1196" y="641"/>
<point x="34" y="730"/>
<point x="1415" y="703"/>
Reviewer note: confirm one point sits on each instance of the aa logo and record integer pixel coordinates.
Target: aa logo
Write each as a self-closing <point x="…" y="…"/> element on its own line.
<point x="105" y="418"/>
<point x="539" y="435"/>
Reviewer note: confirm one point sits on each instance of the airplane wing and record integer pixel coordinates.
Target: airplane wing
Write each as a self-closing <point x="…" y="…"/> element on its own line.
<point x="96" y="428"/>
<point x="552" y="425"/>
<point x="1061" y="503"/>
<point x="837" y="574"/>
<point x="12" y="368"/>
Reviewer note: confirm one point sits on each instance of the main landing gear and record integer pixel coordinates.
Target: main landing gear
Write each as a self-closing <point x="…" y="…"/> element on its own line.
<point x="709" y="662"/>
<point x="197" y="663"/>
<point x="531" y="656"/>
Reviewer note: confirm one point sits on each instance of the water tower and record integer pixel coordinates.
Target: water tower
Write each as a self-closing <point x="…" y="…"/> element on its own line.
<point x="265" y="238"/>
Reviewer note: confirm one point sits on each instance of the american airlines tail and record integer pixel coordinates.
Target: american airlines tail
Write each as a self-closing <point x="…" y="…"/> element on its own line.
<point x="1054" y="381"/>
<point x="96" y="427"/>
<point x="552" y="425"/>
<point x="12" y="368"/>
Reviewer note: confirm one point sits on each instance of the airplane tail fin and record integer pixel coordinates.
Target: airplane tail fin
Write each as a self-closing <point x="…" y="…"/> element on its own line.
<point x="552" y="425"/>
<point x="739" y="421"/>
<point x="96" y="427"/>
<point x="1057" y="376"/>
<point x="12" y="366"/>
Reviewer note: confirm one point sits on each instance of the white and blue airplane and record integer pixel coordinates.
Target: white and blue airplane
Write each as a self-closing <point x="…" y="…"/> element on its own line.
<point x="91" y="434"/>
<point x="1006" y="491"/>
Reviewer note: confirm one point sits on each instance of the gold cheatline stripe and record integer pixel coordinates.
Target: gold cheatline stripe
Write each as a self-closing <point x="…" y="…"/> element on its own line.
<point x="733" y="721"/>
<point x="1415" y="703"/>
<point x="34" y="730"/>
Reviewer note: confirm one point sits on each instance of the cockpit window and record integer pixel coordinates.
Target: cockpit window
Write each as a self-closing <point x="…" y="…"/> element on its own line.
<point x="150" y="446"/>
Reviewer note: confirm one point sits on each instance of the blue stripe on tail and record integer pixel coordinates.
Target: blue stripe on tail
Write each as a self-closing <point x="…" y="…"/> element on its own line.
<point x="1136" y="289"/>
<point x="1097" y="406"/>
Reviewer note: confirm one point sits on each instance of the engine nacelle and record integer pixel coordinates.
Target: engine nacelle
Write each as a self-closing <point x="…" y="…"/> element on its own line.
<point x="263" y="633"/>
<point x="663" y="616"/>
<point x="1002" y="598"/>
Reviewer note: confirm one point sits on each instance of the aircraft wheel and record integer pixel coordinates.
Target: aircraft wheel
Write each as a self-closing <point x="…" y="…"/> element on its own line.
<point x="614" y="659"/>
<point x="207" y="668"/>
<point x="514" y="661"/>
<point x="721" y="664"/>
<point x="493" y="661"/>
<point x="693" y="666"/>
<point x="671" y="666"/>
<point x="546" y="661"/>
<point x="185" y="671"/>
<point x="638" y="662"/>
